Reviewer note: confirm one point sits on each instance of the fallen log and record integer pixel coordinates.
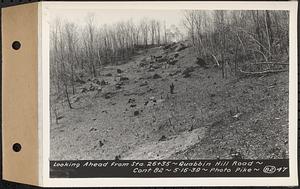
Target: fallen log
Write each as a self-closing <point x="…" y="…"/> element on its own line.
<point x="274" y="63"/>
<point x="263" y="72"/>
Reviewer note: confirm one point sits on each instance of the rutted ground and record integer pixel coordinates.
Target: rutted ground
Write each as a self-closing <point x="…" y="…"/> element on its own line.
<point x="133" y="115"/>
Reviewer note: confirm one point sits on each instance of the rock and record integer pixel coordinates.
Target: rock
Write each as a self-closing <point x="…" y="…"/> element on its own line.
<point x="92" y="88"/>
<point x="118" y="157"/>
<point x="119" y="71"/>
<point x="187" y="75"/>
<point x="131" y="100"/>
<point x="108" y="74"/>
<point x="200" y="62"/>
<point x="160" y="100"/>
<point x="79" y="80"/>
<point x="124" y="78"/>
<point x="163" y="138"/>
<point x="236" y="116"/>
<point x="75" y="99"/>
<point x="132" y="105"/>
<point x="144" y="83"/>
<point x="156" y="66"/>
<point x="156" y="76"/>
<point x="136" y="113"/>
<point x="143" y="64"/>
<point x="107" y="95"/>
<point x="101" y="143"/>
<point x="235" y="154"/>
<point x="172" y="88"/>
<point x="150" y="89"/>
<point x="144" y="59"/>
<point x="174" y="73"/>
<point x="103" y="82"/>
<point x="92" y="129"/>
<point x="167" y="46"/>
<point x="238" y="155"/>
<point x="120" y="83"/>
<point x="189" y="69"/>
<point x="151" y="102"/>
<point x="187" y="72"/>
<point x="172" y="61"/>
<point x="95" y="80"/>
<point x="151" y="69"/>
<point x="180" y="47"/>
<point x="59" y="117"/>
<point x="118" y="86"/>
<point x="163" y="59"/>
<point x="98" y="82"/>
<point x="83" y="90"/>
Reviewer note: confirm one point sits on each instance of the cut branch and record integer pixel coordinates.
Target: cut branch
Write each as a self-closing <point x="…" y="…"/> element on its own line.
<point x="274" y="63"/>
<point x="216" y="60"/>
<point x="263" y="72"/>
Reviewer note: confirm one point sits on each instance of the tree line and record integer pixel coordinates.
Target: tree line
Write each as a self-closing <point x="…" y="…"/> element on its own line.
<point x="238" y="37"/>
<point x="77" y="51"/>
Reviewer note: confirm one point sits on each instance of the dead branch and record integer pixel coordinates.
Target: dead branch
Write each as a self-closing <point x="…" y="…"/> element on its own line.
<point x="241" y="42"/>
<point x="274" y="63"/>
<point x="263" y="72"/>
<point x="216" y="60"/>
<point x="265" y="57"/>
<point x="252" y="37"/>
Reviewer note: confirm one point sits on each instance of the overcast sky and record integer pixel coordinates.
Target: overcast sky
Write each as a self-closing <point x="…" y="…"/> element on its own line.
<point x="114" y="16"/>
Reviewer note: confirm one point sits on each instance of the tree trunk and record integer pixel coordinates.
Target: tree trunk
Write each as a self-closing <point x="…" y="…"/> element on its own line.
<point x="235" y="59"/>
<point x="67" y="96"/>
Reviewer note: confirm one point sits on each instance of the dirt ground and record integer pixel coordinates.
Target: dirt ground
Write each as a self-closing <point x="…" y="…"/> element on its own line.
<point x="207" y="117"/>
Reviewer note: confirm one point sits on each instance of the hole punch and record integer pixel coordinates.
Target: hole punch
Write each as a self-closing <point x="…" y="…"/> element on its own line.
<point x="16" y="45"/>
<point x="17" y="147"/>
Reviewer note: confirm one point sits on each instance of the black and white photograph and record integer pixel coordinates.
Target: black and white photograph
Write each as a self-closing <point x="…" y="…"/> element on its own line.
<point x="150" y="94"/>
<point x="169" y="84"/>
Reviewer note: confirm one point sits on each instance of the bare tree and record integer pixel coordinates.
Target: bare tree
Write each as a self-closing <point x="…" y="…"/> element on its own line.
<point x="231" y="36"/>
<point x="70" y="51"/>
<point x="90" y="47"/>
<point x="145" y="31"/>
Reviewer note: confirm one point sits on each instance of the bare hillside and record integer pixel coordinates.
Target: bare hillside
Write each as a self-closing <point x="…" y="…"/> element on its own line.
<point x="165" y="104"/>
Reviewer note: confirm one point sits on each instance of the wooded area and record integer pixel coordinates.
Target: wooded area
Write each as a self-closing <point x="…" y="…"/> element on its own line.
<point x="232" y="40"/>
<point x="239" y="37"/>
<point x="76" y="51"/>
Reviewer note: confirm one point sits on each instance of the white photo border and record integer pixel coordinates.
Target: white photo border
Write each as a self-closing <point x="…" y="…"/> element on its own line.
<point x="45" y="9"/>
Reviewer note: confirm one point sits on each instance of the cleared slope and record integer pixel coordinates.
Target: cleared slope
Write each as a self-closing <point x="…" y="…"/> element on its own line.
<point x="206" y="117"/>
